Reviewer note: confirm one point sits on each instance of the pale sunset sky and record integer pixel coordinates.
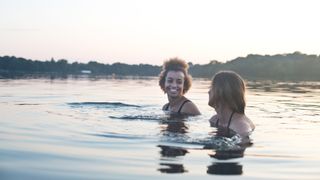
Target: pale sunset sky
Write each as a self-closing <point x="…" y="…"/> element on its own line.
<point x="150" y="31"/>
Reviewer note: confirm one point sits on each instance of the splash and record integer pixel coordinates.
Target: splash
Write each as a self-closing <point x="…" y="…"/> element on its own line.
<point x="139" y="117"/>
<point x="214" y="142"/>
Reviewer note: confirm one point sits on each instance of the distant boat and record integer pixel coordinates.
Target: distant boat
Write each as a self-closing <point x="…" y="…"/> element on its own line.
<point x="85" y="71"/>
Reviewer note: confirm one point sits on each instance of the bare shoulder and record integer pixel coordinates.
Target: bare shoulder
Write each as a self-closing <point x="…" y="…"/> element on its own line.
<point x="213" y="120"/>
<point x="242" y="126"/>
<point x="251" y="124"/>
<point x="165" y="106"/>
<point x="190" y="108"/>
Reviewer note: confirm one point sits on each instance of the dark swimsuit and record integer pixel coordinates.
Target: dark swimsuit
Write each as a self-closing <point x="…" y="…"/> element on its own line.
<point x="179" y="111"/>
<point x="228" y="127"/>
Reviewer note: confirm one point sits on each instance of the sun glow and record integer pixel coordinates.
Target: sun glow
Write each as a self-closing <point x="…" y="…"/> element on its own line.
<point x="145" y="31"/>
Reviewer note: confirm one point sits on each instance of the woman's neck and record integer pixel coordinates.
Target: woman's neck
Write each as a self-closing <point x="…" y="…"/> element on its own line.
<point x="224" y="114"/>
<point x="176" y="100"/>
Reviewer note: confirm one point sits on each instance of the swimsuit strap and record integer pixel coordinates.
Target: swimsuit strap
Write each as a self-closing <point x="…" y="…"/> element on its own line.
<point x="230" y="123"/>
<point x="182" y="105"/>
<point x="230" y="119"/>
<point x="167" y="107"/>
<point x="217" y="122"/>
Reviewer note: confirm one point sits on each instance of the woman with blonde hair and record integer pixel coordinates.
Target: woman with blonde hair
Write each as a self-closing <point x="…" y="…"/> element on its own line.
<point x="227" y="97"/>
<point x="175" y="81"/>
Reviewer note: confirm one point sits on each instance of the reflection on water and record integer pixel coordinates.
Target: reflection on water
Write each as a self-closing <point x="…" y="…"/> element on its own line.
<point x="228" y="168"/>
<point x="173" y="126"/>
<point x="176" y="126"/>
<point x="60" y="76"/>
<point x="274" y="86"/>
<point x="171" y="152"/>
<point x="228" y="154"/>
<point x="172" y="168"/>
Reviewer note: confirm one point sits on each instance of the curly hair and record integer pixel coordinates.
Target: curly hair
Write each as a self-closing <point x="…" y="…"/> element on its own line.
<point x="175" y="64"/>
<point x="228" y="90"/>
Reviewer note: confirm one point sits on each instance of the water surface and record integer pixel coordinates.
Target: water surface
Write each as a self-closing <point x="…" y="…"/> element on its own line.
<point x="101" y="128"/>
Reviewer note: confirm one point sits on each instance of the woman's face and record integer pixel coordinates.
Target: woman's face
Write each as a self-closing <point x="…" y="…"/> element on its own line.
<point x="174" y="83"/>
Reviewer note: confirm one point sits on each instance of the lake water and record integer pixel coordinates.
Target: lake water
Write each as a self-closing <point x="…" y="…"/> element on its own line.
<point x="100" y="128"/>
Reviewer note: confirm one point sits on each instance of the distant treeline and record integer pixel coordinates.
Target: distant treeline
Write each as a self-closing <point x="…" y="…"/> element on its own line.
<point x="21" y="65"/>
<point x="295" y="66"/>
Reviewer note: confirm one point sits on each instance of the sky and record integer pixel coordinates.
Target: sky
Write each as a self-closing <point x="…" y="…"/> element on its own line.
<point x="151" y="31"/>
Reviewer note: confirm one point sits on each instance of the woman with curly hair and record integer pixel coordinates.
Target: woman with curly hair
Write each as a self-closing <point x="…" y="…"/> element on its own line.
<point x="175" y="81"/>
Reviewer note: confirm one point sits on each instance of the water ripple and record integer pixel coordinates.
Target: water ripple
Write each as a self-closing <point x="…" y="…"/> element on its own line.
<point x="118" y="136"/>
<point x="104" y="104"/>
<point x="214" y="142"/>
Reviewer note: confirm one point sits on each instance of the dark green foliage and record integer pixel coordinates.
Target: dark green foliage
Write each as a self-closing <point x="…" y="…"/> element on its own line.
<point x="21" y="65"/>
<point x="295" y="66"/>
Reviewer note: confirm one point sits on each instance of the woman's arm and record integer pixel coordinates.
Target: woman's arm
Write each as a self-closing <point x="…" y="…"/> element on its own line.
<point x="190" y="108"/>
<point x="213" y="120"/>
<point x="165" y="106"/>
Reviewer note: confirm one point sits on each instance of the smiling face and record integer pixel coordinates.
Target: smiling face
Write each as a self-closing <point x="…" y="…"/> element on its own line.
<point x="174" y="84"/>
